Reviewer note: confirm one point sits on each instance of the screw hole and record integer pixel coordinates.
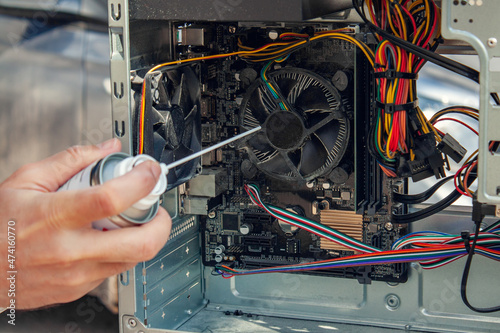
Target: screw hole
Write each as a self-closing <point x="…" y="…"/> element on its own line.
<point x="118" y="90"/>
<point x="116" y="14"/>
<point x="119" y="131"/>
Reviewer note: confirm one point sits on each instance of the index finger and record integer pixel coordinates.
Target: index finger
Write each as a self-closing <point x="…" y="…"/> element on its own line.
<point x="49" y="174"/>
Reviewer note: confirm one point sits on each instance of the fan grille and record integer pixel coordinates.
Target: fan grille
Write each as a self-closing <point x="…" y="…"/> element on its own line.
<point x="325" y="126"/>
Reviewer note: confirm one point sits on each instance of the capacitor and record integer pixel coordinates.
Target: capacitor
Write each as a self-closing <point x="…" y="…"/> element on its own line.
<point x="245" y="228"/>
<point x="311" y="184"/>
<point x="340" y="174"/>
<point x="220" y="249"/>
<point x="273" y="34"/>
<point x="248" y="169"/>
<point x="341" y="80"/>
<point x="247" y="76"/>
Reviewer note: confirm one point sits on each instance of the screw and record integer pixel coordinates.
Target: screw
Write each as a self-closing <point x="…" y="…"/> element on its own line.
<point x="498" y="212"/>
<point x="189" y="312"/>
<point x="217" y="307"/>
<point x="211" y="214"/>
<point x="392" y="302"/>
<point x="232" y="29"/>
<point x="407" y="327"/>
<point x="388" y="226"/>
<point x="492" y="42"/>
<point x="132" y="322"/>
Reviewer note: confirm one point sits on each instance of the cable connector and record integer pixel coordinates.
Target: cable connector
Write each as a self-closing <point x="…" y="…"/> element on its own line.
<point x="466" y="237"/>
<point x="452" y="148"/>
<point x="428" y="160"/>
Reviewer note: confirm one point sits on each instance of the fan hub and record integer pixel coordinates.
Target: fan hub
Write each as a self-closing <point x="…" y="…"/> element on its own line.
<point x="284" y="130"/>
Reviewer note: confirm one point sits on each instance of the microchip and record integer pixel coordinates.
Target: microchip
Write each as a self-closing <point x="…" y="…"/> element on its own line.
<point x="230" y="221"/>
<point x="346" y="196"/>
<point x="213" y="238"/>
<point x="293" y="246"/>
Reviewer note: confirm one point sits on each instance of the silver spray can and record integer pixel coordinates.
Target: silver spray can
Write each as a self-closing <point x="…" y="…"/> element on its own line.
<point x="112" y="166"/>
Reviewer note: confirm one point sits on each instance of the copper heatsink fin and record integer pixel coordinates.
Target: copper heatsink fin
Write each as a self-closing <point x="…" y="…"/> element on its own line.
<point x="347" y="222"/>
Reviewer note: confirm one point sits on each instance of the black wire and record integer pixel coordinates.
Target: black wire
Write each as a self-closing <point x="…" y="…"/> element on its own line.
<point x="428" y="211"/>
<point x="421" y="197"/>
<point x="465" y="277"/>
<point x="428" y="55"/>
<point x="432" y="209"/>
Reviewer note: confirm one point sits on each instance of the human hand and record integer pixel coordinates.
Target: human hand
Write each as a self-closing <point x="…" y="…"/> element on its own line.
<point x="58" y="256"/>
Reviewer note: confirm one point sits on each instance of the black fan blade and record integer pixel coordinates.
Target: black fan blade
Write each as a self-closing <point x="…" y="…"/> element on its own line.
<point x="312" y="98"/>
<point x="157" y="116"/>
<point x="181" y="94"/>
<point x="158" y="146"/>
<point x="276" y="165"/>
<point x="329" y="134"/>
<point x="180" y="153"/>
<point x="187" y="92"/>
<point x="174" y="127"/>
<point x="164" y="93"/>
<point x="285" y="85"/>
<point x="317" y="116"/>
<point x="295" y="157"/>
<point x="259" y="142"/>
<point x="188" y="128"/>
<point x="256" y="107"/>
<point x="314" y="156"/>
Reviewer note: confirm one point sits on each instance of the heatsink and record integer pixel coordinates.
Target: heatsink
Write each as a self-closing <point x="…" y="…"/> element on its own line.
<point x="347" y="222"/>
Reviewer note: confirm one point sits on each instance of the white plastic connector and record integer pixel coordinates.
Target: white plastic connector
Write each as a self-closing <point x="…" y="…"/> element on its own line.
<point x="161" y="186"/>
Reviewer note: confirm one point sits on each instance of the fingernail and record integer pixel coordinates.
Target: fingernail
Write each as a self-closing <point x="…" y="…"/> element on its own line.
<point x="107" y="144"/>
<point x="155" y="169"/>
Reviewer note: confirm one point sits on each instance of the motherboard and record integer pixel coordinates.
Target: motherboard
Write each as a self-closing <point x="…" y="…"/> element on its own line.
<point x="310" y="158"/>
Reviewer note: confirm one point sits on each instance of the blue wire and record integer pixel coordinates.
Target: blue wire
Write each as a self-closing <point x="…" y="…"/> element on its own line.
<point x="419" y="232"/>
<point x="262" y="72"/>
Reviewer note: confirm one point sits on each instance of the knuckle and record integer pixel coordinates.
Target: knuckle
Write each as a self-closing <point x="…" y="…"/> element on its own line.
<point x="76" y="155"/>
<point x="76" y="280"/>
<point x="53" y="215"/>
<point x="25" y="170"/>
<point x="76" y="152"/>
<point x="62" y="255"/>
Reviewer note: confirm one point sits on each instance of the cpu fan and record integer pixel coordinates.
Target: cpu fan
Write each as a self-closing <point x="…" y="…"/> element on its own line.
<point x="176" y="122"/>
<point x="303" y="140"/>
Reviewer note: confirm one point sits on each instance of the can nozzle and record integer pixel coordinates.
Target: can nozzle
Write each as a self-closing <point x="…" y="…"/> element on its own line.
<point x="161" y="186"/>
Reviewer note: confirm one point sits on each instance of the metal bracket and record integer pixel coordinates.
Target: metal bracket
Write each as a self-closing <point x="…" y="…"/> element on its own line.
<point x="476" y="22"/>
<point x="120" y="72"/>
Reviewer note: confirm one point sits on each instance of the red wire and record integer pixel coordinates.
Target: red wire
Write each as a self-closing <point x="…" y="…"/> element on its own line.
<point x="458" y="121"/>
<point x="455" y="180"/>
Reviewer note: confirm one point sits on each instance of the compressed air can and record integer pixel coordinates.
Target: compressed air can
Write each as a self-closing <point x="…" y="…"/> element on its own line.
<point x="112" y="166"/>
